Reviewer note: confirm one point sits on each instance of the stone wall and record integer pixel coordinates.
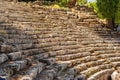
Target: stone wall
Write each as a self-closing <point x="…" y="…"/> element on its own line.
<point x="42" y="43"/>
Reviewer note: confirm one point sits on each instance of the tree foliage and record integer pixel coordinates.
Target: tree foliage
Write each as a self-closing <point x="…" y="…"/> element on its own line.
<point x="80" y="2"/>
<point x="71" y="2"/>
<point x="63" y="2"/>
<point x="108" y="10"/>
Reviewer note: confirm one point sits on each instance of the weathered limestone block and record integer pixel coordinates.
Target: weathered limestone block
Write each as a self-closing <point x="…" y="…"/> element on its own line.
<point x="15" y="55"/>
<point x="30" y="60"/>
<point x="7" y="48"/>
<point x="72" y="71"/>
<point x="81" y="67"/>
<point x="33" y="71"/>
<point x="25" y="46"/>
<point x="107" y="55"/>
<point x="28" y="52"/>
<point x="61" y="67"/>
<point x="5" y="73"/>
<point x="49" y="61"/>
<point x="80" y="77"/>
<point x="52" y="54"/>
<point x="115" y="75"/>
<point x="1" y="40"/>
<point x="48" y="74"/>
<point x="115" y="64"/>
<point x="63" y="58"/>
<point x="41" y="56"/>
<point x="40" y="66"/>
<point x="66" y="77"/>
<point x="3" y="58"/>
<point x="113" y="59"/>
<point x="101" y="75"/>
<point x="92" y="70"/>
<point x="17" y="65"/>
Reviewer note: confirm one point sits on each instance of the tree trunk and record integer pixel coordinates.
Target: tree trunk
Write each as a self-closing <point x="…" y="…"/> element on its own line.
<point x="71" y="3"/>
<point x="111" y="23"/>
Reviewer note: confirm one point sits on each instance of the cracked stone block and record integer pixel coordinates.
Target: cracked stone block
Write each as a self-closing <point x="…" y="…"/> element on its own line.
<point x="3" y="58"/>
<point x="33" y="71"/>
<point x="60" y="68"/>
<point x="40" y="66"/>
<point x="15" y="55"/>
<point x="72" y="71"/>
<point x="5" y="73"/>
<point x="18" y="65"/>
<point x="23" y="63"/>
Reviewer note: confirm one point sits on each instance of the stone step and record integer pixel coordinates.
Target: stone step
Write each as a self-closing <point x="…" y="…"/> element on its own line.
<point x="49" y="44"/>
<point x="109" y="55"/>
<point x="31" y="52"/>
<point x="84" y="66"/>
<point x="72" y="56"/>
<point x="113" y="59"/>
<point x="58" y="47"/>
<point x="18" y="41"/>
<point x="69" y="51"/>
<point x="76" y="61"/>
<point x="89" y="20"/>
<point x="116" y="64"/>
<point x="101" y="75"/>
<point x="96" y="69"/>
<point x="5" y="48"/>
<point x="15" y="55"/>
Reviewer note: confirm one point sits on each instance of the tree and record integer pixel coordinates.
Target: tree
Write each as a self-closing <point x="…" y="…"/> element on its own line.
<point x="82" y="2"/>
<point x="71" y="3"/>
<point x="108" y="10"/>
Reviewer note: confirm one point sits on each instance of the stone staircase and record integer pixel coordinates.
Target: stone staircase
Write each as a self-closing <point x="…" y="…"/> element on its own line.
<point x="42" y="43"/>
